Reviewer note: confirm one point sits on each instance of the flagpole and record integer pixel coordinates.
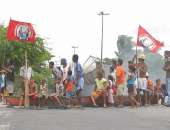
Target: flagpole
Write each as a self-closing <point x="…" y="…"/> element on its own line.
<point x="137" y="73"/>
<point x="137" y="65"/>
<point x="26" y="83"/>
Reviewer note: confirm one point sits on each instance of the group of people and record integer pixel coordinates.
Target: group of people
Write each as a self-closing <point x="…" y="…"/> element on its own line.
<point x="68" y="82"/>
<point x="141" y="89"/>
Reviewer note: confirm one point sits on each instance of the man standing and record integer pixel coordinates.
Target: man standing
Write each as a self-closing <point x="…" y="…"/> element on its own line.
<point x="78" y="76"/>
<point x="25" y="75"/>
<point x="142" y="81"/>
<point x="120" y="81"/>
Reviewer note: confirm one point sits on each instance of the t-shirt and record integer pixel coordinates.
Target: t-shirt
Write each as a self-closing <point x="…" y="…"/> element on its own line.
<point x="131" y="78"/>
<point x="44" y="90"/>
<point x="57" y="73"/>
<point x="65" y="71"/>
<point x="70" y="84"/>
<point x="100" y="84"/>
<point x="26" y="73"/>
<point x="120" y="75"/>
<point x="59" y="89"/>
<point x="78" y="70"/>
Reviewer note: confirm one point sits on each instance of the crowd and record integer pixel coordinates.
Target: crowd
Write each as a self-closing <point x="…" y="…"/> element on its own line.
<point x="141" y="89"/>
<point x="69" y="82"/>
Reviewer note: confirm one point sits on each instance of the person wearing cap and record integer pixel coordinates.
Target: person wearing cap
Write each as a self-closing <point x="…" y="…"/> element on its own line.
<point x="142" y="82"/>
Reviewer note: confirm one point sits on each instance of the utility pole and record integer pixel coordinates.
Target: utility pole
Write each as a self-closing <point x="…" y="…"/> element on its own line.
<point x="74" y="47"/>
<point x="102" y="14"/>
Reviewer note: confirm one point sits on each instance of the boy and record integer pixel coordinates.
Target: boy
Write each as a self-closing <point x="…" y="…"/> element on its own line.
<point x="44" y="92"/>
<point x="158" y="91"/>
<point x="131" y="86"/>
<point x="33" y="93"/>
<point x="120" y="81"/>
<point x="150" y="89"/>
<point x="100" y="89"/>
<point x="57" y="73"/>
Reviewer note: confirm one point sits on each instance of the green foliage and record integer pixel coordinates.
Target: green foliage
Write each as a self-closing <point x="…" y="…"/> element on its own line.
<point x="37" y="55"/>
<point x="45" y="74"/>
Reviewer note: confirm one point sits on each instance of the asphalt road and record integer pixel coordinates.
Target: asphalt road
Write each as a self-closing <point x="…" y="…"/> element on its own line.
<point x="144" y="118"/>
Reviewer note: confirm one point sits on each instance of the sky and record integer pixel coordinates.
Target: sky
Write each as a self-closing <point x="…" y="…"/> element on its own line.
<point x="67" y="23"/>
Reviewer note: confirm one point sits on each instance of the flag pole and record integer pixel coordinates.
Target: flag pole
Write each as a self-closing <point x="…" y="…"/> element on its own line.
<point x="26" y="83"/>
<point x="137" y="73"/>
<point x="137" y="65"/>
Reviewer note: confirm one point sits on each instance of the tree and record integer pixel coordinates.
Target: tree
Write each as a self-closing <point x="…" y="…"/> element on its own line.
<point x="14" y="51"/>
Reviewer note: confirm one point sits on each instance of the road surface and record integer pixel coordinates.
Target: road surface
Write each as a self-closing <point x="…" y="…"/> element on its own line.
<point x="144" y="118"/>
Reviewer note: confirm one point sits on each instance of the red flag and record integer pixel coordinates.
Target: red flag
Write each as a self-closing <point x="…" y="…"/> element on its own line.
<point x="147" y="41"/>
<point x="20" y="31"/>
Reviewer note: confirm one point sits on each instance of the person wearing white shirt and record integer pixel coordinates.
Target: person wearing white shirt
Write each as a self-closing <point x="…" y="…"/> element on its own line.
<point x="25" y="75"/>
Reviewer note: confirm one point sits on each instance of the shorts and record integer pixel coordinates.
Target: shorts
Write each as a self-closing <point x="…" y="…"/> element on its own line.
<point x="33" y="99"/>
<point x="2" y="90"/>
<point x="69" y="94"/>
<point x="141" y="92"/>
<point x="120" y="90"/>
<point x="159" y="94"/>
<point x="97" y="94"/>
<point x="80" y="84"/>
<point x="10" y="86"/>
<point x="149" y="92"/>
<point x="142" y="83"/>
<point x="130" y="88"/>
<point x="44" y="96"/>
